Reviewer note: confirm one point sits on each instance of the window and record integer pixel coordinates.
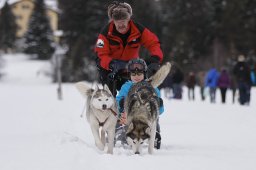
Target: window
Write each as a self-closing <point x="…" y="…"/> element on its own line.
<point x="18" y="17"/>
<point x="25" y="6"/>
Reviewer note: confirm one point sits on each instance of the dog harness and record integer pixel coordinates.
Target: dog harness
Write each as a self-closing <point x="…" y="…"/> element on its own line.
<point x="101" y="124"/>
<point x="145" y="85"/>
<point x="144" y="99"/>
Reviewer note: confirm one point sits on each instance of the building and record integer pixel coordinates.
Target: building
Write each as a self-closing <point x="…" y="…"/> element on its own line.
<point x="22" y="9"/>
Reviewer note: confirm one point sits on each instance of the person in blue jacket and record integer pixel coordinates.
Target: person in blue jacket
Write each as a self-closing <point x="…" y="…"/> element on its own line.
<point x="137" y="69"/>
<point x="211" y="81"/>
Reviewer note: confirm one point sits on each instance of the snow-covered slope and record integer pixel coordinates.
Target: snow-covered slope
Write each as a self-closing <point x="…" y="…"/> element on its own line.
<point x="39" y="132"/>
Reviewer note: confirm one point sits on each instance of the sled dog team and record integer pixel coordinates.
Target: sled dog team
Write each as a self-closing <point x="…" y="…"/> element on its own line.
<point x="140" y="104"/>
<point x="138" y="101"/>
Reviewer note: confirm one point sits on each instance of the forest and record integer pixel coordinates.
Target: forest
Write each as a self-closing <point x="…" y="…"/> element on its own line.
<point x="195" y="34"/>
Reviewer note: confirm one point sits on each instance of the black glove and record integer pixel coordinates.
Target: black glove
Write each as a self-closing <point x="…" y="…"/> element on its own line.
<point x="153" y="65"/>
<point x="161" y="103"/>
<point x="152" y="69"/>
<point x="121" y="105"/>
<point x="153" y="59"/>
<point x="116" y="65"/>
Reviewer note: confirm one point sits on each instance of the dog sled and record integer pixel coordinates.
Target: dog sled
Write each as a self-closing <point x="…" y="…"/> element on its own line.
<point x="120" y="135"/>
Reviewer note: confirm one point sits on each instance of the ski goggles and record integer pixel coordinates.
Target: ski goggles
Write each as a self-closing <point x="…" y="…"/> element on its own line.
<point x="136" y="73"/>
<point x="136" y="67"/>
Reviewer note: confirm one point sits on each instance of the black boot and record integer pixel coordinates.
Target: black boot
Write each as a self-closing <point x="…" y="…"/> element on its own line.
<point x="157" y="140"/>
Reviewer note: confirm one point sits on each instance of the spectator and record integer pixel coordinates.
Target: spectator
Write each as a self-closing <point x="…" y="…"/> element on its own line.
<point x="223" y="84"/>
<point x="253" y="75"/>
<point x="233" y="87"/>
<point x="177" y="79"/>
<point x="242" y="73"/>
<point x="167" y="86"/>
<point x="201" y="83"/>
<point x="191" y="82"/>
<point x="211" y="82"/>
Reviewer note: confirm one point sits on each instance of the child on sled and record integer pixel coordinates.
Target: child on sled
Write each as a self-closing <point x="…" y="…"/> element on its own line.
<point x="137" y="69"/>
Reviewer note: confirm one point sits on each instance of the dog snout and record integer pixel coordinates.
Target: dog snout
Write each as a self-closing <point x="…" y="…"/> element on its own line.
<point x="137" y="152"/>
<point x="104" y="106"/>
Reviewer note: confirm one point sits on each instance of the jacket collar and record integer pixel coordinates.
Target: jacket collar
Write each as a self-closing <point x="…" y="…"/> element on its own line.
<point x="135" y="33"/>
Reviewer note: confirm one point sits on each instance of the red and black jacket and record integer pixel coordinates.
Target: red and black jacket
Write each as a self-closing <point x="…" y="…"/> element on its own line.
<point x="109" y="46"/>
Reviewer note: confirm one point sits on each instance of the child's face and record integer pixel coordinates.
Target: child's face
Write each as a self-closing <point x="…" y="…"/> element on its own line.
<point x="137" y="77"/>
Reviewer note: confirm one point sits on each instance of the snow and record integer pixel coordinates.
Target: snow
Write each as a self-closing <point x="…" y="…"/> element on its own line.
<point x="40" y="132"/>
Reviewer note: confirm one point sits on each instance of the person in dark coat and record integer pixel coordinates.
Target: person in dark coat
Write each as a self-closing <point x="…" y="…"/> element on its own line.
<point x="233" y="87"/>
<point x="167" y="86"/>
<point x="223" y="84"/>
<point x="177" y="79"/>
<point x="191" y="82"/>
<point x="242" y="73"/>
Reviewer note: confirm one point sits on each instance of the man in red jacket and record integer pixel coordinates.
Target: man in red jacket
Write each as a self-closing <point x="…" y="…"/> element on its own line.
<point x="120" y="41"/>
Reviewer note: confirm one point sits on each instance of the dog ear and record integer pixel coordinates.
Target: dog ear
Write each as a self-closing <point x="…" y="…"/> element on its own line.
<point x="84" y="89"/>
<point x="130" y="128"/>
<point x="106" y="88"/>
<point x="147" y="130"/>
<point x="97" y="87"/>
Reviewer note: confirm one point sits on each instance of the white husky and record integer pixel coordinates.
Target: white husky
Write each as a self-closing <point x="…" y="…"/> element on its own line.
<point x="100" y="112"/>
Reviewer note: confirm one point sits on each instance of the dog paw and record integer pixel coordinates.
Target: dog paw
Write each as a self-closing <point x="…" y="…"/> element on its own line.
<point x="100" y="146"/>
<point x="110" y="151"/>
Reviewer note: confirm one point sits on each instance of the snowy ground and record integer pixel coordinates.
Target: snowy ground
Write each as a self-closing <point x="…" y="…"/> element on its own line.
<point x="39" y="132"/>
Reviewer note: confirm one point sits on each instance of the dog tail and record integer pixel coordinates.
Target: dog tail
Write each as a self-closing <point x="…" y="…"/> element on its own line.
<point x="160" y="75"/>
<point x="84" y="90"/>
<point x="86" y="93"/>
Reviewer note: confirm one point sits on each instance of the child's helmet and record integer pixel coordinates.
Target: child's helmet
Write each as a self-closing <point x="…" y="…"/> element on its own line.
<point x="137" y="65"/>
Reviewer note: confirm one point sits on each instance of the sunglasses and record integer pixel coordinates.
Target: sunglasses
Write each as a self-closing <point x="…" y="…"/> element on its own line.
<point x="136" y="73"/>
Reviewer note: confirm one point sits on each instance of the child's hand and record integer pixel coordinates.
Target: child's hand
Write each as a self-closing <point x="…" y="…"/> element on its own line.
<point x="123" y="118"/>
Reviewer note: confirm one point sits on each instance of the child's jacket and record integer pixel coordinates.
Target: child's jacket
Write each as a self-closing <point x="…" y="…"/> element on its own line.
<point x="124" y="92"/>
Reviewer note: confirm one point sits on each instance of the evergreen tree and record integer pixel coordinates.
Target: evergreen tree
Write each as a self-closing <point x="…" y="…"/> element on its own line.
<point x="81" y="22"/>
<point x="249" y="23"/>
<point x="80" y="34"/>
<point x="148" y="17"/>
<point x="187" y="29"/>
<point x="7" y="28"/>
<point x="191" y="31"/>
<point x="238" y="23"/>
<point x="234" y="28"/>
<point x="39" y="37"/>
